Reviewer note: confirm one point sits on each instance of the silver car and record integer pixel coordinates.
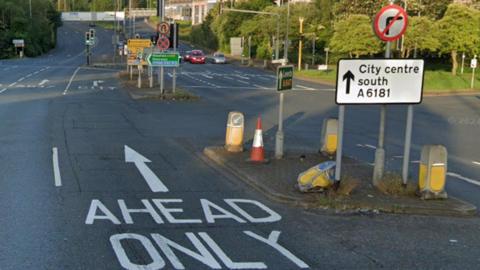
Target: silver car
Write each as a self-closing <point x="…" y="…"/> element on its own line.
<point x="218" y="58"/>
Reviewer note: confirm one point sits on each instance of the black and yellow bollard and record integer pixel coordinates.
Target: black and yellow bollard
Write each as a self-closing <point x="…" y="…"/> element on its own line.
<point x="329" y="137"/>
<point x="433" y="172"/>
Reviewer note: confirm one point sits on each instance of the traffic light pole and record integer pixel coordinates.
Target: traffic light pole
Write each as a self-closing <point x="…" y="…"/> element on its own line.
<point x="88" y="55"/>
<point x="174" y="79"/>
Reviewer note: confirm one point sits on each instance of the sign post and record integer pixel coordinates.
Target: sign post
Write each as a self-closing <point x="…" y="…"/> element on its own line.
<point x="163" y="43"/>
<point x="473" y="65"/>
<point x="174" y="77"/>
<point x="389" y="25"/>
<point x="284" y="82"/>
<point x="380" y="81"/>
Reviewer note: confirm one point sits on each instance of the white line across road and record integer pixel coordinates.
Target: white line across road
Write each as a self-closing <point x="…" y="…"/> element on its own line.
<point x="56" y="167"/>
<point x="71" y="79"/>
<point x="3" y="90"/>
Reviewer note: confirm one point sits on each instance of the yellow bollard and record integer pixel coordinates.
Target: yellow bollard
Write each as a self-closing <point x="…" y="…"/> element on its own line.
<point x="329" y="136"/>
<point x="317" y="178"/>
<point x="433" y="172"/>
<point x="234" y="136"/>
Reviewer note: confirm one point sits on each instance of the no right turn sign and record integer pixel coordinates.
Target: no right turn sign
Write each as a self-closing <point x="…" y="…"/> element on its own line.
<point x="390" y="23"/>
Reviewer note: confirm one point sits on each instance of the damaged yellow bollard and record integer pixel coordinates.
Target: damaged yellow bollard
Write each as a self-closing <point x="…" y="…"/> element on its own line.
<point x="433" y="172"/>
<point x="235" y="129"/>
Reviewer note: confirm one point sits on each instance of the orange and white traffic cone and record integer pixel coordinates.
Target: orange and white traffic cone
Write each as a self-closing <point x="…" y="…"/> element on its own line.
<point x="258" y="153"/>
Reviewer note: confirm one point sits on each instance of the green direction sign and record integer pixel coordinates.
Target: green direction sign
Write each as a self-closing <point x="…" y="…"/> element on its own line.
<point x="284" y="78"/>
<point x="164" y="59"/>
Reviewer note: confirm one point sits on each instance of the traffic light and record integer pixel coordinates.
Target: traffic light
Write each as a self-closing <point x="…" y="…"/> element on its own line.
<point x="173" y="27"/>
<point x="92" y="33"/>
<point x="87" y="36"/>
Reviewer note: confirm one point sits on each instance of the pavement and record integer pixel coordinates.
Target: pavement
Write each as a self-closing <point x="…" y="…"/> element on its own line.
<point x="92" y="179"/>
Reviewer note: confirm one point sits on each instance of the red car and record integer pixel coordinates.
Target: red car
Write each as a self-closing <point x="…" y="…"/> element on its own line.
<point x="197" y="57"/>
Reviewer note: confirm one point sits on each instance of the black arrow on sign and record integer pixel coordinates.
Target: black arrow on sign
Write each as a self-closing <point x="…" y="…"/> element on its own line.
<point x="349" y="77"/>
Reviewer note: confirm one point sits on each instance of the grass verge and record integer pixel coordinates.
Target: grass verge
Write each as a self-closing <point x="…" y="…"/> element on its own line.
<point x="436" y="81"/>
<point x="392" y="184"/>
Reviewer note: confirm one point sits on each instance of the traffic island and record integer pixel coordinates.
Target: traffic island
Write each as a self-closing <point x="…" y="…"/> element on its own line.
<point x="147" y="93"/>
<point x="356" y="194"/>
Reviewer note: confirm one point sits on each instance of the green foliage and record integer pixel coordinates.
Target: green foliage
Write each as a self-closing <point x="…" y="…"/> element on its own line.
<point x="354" y="36"/>
<point x="459" y="31"/>
<point x="202" y="35"/>
<point x="38" y="32"/>
<point x="345" y="8"/>
<point x="264" y="50"/>
<point x="421" y="34"/>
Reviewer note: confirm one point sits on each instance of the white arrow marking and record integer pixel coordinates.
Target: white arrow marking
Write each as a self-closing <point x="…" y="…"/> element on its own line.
<point x="155" y="184"/>
<point x="43" y="82"/>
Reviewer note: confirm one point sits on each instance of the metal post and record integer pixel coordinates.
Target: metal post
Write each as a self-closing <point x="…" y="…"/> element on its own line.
<point x="139" y="77"/>
<point x="174" y="75"/>
<point x="472" y="84"/>
<point x="88" y="55"/>
<point x="279" y="135"/>
<point x="463" y="63"/>
<point x="313" y="51"/>
<point x="162" y="90"/>
<point x="326" y="56"/>
<point x="277" y="42"/>
<point x="300" y="44"/>
<point x="249" y="49"/>
<point x="338" y="165"/>
<point x="285" y="53"/>
<point x="408" y="144"/>
<point x="380" y="151"/>
<point x="150" y="76"/>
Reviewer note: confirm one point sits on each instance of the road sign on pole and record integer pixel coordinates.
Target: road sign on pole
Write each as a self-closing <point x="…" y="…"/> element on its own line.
<point x="473" y="65"/>
<point x="284" y="78"/>
<point x="163" y="43"/>
<point x="163" y="28"/>
<point x="379" y="81"/>
<point x="390" y="23"/>
<point x="161" y="59"/>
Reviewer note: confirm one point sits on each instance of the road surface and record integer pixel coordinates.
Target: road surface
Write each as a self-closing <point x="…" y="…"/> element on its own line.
<point x="92" y="179"/>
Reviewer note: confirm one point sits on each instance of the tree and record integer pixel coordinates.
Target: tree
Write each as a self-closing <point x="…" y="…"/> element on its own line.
<point x="459" y="32"/>
<point x="354" y="36"/>
<point x="421" y="34"/>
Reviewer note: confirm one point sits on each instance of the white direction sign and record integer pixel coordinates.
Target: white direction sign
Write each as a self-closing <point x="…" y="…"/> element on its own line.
<point x="379" y="81"/>
<point x="473" y="63"/>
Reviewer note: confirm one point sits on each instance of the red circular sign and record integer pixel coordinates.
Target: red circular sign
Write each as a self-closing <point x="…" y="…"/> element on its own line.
<point x="163" y="43"/>
<point x="390" y="23"/>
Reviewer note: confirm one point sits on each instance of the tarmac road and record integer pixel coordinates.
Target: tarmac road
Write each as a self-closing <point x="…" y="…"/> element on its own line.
<point x="132" y="191"/>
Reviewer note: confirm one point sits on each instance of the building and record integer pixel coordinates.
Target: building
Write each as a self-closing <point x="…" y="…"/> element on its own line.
<point x="200" y="9"/>
<point x="179" y="9"/>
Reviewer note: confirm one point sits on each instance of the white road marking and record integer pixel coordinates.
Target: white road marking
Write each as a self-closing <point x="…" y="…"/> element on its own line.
<point x="12" y="84"/>
<point x="21" y="79"/>
<point x="242" y="77"/>
<point x="370" y="146"/>
<point x="43" y="82"/>
<point x="259" y="86"/>
<point x="28" y="75"/>
<point x="3" y="90"/>
<point x="206" y="76"/>
<point x="71" y="79"/>
<point x="240" y="81"/>
<point x="155" y="184"/>
<point x="56" y="168"/>
<point x="305" y="87"/>
<point x="170" y="75"/>
<point x="476" y="162"/>
<point x="468" y="180"/>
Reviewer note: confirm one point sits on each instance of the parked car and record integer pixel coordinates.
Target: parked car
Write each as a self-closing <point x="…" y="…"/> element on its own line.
<point x="186" y="56"/>
<point x="197" y="57"/>
<point x="218" y="58"/>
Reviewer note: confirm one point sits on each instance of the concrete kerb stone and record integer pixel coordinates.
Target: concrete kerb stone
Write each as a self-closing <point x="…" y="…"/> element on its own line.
<point x="452" y="207"/>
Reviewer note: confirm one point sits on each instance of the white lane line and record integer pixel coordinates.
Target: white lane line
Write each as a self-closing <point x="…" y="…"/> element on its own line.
<point x="28" y="75"/>
<point x="206" y="76"/>
<point x="56" y="168"/>
<point x="468" y="180"/>
<point x="3" y="90"/>
<point x="42" y="82"/>
<point x="305" y="87"/>
<point x="259" y="86"/>
<point x="21" y="79"/>
<point x="12" y="84"/>
<point x="476" y="162"/>
<point x="71" y="79"/>
<point x="242" y="77"/>
<point x="240" y="81"/>
<point x="370" y="146"/>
